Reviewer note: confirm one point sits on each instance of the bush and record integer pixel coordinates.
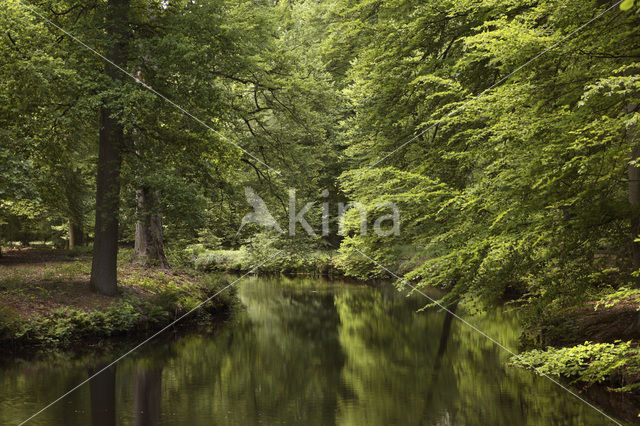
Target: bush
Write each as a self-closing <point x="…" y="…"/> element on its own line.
<point x="221" y="260"/>
<point x="287" y="262"/>
<point x="9" y="322"/>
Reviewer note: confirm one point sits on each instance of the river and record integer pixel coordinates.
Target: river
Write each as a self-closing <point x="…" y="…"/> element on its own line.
<point x="305" y="352"/>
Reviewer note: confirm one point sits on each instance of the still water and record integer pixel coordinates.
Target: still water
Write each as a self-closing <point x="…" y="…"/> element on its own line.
<point x="305" y="352"/>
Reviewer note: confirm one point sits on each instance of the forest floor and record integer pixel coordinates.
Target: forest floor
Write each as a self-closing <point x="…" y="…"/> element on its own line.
<point x="46" y="301"/>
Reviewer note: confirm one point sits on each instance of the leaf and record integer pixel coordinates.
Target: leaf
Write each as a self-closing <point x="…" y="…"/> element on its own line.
<point x="626" y="4"/>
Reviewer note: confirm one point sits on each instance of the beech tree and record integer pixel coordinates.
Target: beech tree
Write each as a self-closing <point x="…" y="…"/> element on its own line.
<point x="111" y="141"/>
<point x="519" y="179"/>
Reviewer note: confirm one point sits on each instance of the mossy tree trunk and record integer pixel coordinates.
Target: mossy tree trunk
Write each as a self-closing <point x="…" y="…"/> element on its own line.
<point x="75" y="196"/>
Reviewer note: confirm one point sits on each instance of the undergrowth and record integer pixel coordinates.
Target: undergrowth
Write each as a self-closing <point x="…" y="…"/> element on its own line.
<point x="164" y="299"/>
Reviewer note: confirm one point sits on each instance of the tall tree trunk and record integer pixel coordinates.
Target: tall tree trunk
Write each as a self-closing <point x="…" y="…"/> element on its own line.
<point x="149" y="244"/>
<point x="140" y="244"/>
<point x="634" y="188"/>
<point x="105" y="246"/>
<point x="72" y="235"/>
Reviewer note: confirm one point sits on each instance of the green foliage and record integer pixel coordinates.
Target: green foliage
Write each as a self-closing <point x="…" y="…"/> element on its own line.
<point x="514" y="183"/>
<point x="9" y="322"/>
<point x="64" y="326"/>
<point x="519" y="190"/>
<point x="267" y="253"/>
<point x="622" y="295"/>
<point x="249" y="70"/>
<point x="221" y="260"/>
<point x="246" y="259"/>
<point x="627" y="4"/>
<point x="589" y="363"/>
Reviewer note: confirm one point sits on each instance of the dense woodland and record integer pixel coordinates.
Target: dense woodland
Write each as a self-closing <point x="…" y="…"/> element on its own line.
<point x="506" y="132"/>
<point x="522" y="184"/>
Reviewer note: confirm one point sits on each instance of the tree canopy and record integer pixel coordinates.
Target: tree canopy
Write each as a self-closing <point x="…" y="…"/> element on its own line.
<point x="505" y="132"/>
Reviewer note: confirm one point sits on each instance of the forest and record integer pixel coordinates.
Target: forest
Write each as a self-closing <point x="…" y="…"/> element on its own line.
<point x="458" y="180"/>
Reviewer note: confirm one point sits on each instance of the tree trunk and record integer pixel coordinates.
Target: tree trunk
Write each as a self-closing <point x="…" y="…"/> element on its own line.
<point x="634" y="189"/>
<point x="140" y="244"/>
<point x="74" y="195"/>
<point x="76" y="234"/>
<point x="72" y="235"/>
<point x="105" y="246"/>
<point x="149" y="244"/>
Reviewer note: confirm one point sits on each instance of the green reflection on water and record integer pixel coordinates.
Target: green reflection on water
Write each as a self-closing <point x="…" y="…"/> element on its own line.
<point x="308" y="352"/>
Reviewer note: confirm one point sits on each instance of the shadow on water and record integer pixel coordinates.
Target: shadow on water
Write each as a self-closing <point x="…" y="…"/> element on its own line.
<point x="306" y="351"/>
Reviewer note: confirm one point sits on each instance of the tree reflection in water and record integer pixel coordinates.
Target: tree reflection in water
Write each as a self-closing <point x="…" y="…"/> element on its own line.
<point x="103" y="396"/>
<point x="310" y="352"/>
<point x="147" y="396"/>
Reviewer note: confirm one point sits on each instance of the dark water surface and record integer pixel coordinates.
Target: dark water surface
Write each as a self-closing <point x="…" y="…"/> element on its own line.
<point x="306" y="352"/>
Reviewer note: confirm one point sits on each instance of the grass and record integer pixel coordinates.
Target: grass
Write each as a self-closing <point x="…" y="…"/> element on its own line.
<point x="46" y="300"/>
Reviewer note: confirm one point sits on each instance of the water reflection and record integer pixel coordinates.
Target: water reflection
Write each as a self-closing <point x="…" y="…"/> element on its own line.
<point x="103" y="396"/>
<point x="307" y="352"/>
<point x="147" y="395"/>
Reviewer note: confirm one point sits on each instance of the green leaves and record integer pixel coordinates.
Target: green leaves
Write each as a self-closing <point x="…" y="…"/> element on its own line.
<point x="520" y="189"/>
<point x="627" y="4"/>
<point x="588" y="363"/>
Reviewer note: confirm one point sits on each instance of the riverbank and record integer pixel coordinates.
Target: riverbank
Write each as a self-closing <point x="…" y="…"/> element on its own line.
<point x="594" y="345"/>
<point x="309" y="351"/>
<point x="46" y="302"/>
